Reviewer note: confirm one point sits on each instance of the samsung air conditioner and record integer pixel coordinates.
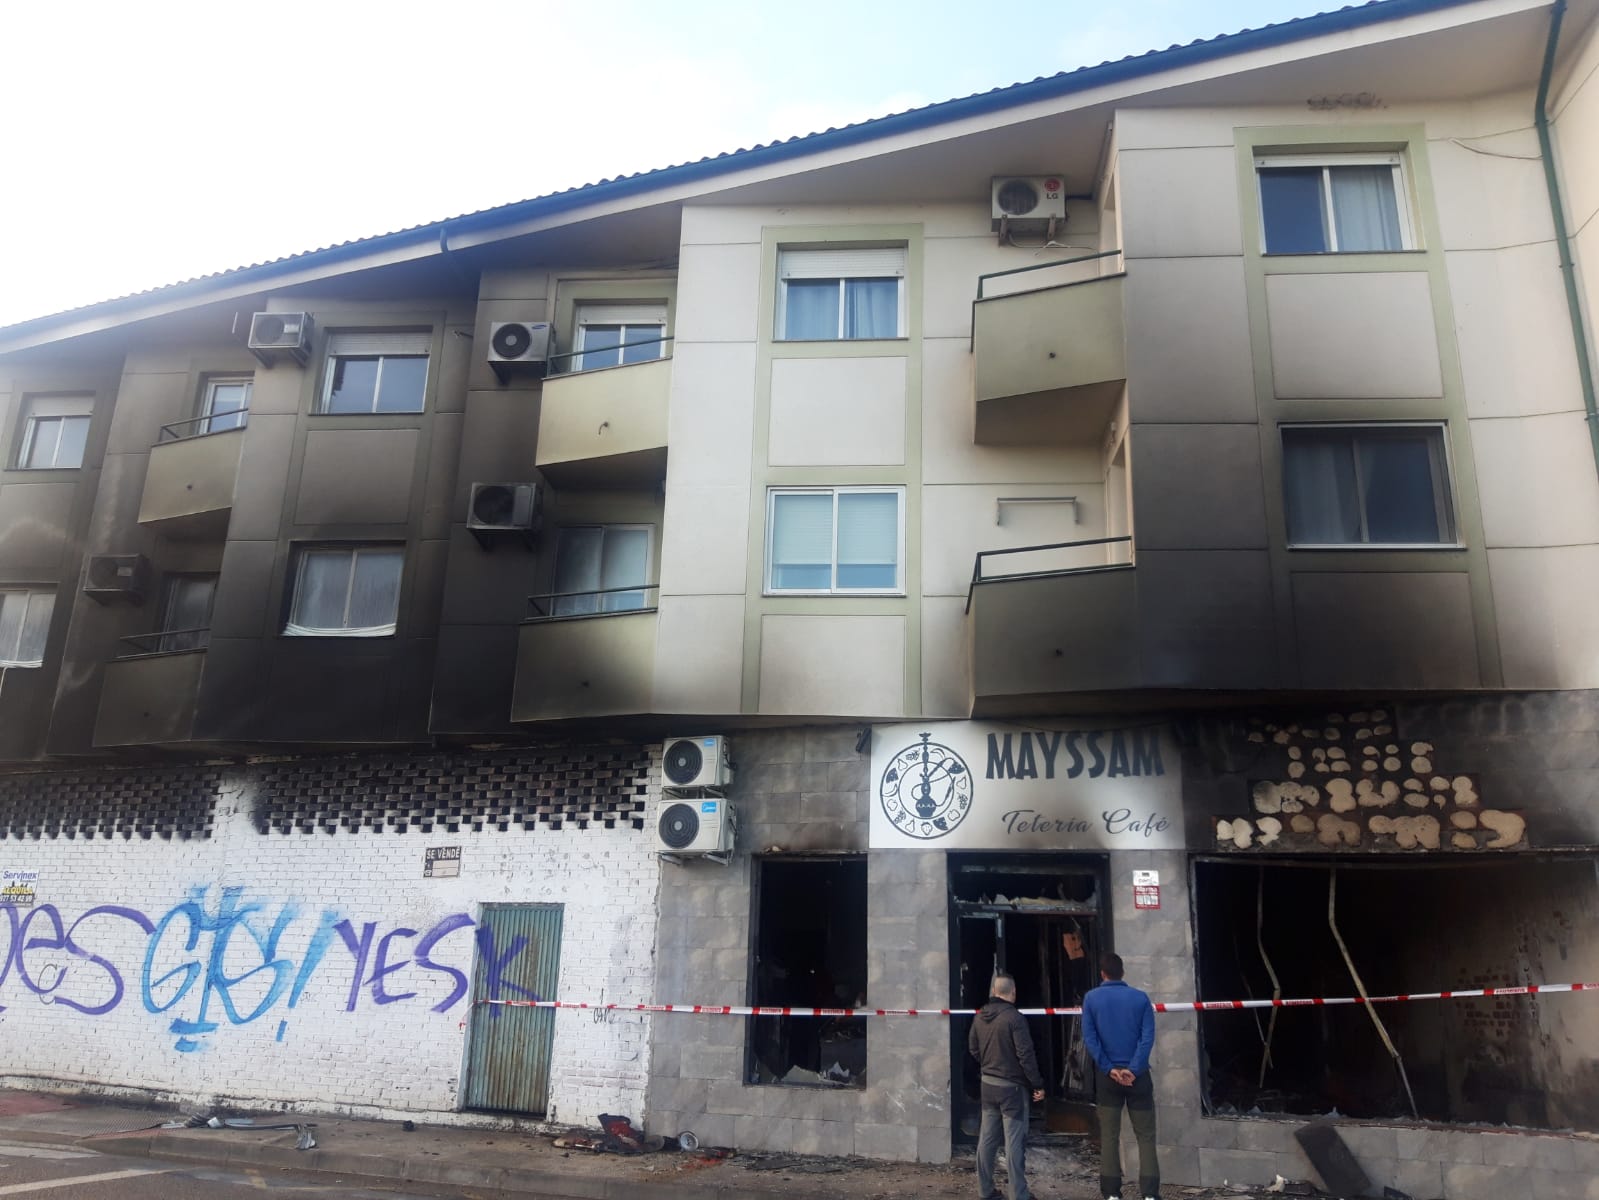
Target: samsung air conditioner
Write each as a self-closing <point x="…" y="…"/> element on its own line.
<point x="1028" y="203"/>
<point x="275" y="335"/>
<point x="519" y="346"/>
<point x="696" y="762"/>
<point x="695" y="826"/>
<point x="116" y="578"/>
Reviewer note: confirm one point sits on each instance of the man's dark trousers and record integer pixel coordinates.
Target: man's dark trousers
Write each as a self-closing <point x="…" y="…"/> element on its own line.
<point x="1139" y="1097"/>
<point x="1004" y="1112"/>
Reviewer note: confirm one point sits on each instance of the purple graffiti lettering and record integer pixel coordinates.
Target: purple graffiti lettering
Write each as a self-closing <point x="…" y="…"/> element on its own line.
<point x="424" y="949"/>
<point x="494" y="965"/>
<point x="360" y="947"/>
<point x="25" y="943"/>
<point x="112" y="974"/>
<point x="384" y="967"/>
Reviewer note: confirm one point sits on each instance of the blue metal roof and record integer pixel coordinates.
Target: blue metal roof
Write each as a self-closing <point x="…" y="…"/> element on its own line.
<point x="996" y="99"/>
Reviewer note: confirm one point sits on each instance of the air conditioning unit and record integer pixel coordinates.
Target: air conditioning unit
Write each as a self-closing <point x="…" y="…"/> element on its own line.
<point x="275" y="335"/>
<point x="703" y="826"/>
<point x="519" y="346"/>
<point x="116" y="578"/>
<point x="1028" y="203"/>
<point x="696" y="762"/>
<point x="500" y="509"/>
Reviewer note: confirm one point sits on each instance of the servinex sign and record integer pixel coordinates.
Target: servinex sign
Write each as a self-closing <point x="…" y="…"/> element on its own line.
<point x="974" y="785"/>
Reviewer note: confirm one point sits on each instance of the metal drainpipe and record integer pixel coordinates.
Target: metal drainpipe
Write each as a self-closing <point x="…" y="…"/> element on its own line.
<point x="1568" y="271"/>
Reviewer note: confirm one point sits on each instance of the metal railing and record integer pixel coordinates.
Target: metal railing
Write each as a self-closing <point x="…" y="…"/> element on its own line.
<point x="169" y="432"/>
<point x="541" y="613"/>
<point x="167" y="641"/>
<point x="977" y="563"/>
<point x="982" y="280"/>
<point x="625" y="346"/>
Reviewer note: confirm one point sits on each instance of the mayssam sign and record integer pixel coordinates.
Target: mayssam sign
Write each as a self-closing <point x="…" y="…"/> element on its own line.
<point x="972" y="785"/>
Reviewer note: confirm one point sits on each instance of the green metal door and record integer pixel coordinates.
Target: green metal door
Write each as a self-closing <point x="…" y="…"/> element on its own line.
<point x="509" y="1049"/>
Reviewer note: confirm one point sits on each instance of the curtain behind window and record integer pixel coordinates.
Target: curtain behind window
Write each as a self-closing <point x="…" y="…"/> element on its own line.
<point x="871" y="308"/>
<point x="1320" y="489"/>
<point x="811" y="309"/>
<point x="1365" y="208"/>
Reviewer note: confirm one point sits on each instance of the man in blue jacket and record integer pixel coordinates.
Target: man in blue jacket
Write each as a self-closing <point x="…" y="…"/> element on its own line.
<point x="1119" y="1030"/>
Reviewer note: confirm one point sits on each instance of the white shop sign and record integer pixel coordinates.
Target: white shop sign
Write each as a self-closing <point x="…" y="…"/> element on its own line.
<point x="976" y="785"/>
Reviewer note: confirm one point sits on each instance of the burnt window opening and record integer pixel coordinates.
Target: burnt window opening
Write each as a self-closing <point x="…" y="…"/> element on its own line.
<point x="1039" y="919"/>
<point x="810" y="952"/>
<point x="1409" y="928"/>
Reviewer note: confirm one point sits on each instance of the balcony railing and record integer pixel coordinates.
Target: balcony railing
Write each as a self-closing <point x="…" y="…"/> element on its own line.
<point x="1041" y="571"/>
<point x="542" y="606"/>
<point x="555" y="360"/>
<point x="982" y="280"/>
<point x="177" y="431"/>
<point x="167" y="641"/>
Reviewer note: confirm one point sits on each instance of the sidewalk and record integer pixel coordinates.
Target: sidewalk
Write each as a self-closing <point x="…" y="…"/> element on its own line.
<point x="513" y="1164"/>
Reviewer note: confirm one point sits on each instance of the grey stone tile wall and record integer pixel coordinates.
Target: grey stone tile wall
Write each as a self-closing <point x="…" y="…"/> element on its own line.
<point x="803" y="791"/>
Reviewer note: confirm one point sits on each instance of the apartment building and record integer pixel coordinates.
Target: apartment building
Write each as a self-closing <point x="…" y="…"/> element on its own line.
<point x="1150" y="508"/>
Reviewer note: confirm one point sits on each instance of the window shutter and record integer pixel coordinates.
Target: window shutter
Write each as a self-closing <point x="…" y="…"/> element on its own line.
<point x="380" y="343"/>
<point x="60" y="406"/>
<point x="868" y="528"/>
<point x="621" y="314"/>
<point x="802" y="528"/>
<point x="866" y="263"/>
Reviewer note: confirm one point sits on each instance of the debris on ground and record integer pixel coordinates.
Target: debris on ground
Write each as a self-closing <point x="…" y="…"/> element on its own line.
<point x="305" y="1141"/>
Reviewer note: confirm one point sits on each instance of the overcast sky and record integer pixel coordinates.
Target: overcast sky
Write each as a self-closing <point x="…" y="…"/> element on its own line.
<point x="147" y="143"/>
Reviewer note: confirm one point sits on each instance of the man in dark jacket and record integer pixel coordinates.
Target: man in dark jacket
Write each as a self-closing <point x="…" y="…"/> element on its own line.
<point x="1119" y="1029"/>
<point x="1003" y="1048"/>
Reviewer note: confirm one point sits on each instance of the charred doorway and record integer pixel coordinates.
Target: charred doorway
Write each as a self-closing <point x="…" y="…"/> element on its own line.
<point x="1408" y="927"/>
<point x="1042" y="919"/>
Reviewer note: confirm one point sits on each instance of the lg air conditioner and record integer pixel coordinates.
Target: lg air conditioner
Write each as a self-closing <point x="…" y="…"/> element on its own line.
<point x="275" y="335"/>
<point x="696" y="762"/>
<point x="519" y="346"/>
<point x="695" y="826"/>
<point x="1028" y="203"/>
<point x="116" y="578"/>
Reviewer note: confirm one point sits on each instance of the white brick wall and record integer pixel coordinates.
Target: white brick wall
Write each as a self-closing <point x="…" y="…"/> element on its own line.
<point x="80" y="943"/>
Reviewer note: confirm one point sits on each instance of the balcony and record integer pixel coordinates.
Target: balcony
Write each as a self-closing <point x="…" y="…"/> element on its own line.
<point x="150" y="695"/>
<point x="606" y="428"/>
<point x="188" y="486"/>
<point x="1049" y="362"/>
<point x="1045" y="621"/>
<point x="599" y="664"/>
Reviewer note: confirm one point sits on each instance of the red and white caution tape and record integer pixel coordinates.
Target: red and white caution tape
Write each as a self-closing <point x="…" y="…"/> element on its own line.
<point x="742" y="1010"/>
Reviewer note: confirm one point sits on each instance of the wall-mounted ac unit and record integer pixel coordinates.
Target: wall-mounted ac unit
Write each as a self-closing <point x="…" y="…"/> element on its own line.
<point x="275" y="335"/>
<point x="696" y="762"/>
<point x="1028" y="203"/>
<point x="116" y="578"/>
<point x="519" y="346"/>
<point x="499" y="509"/>
<point x="695" y="826"/>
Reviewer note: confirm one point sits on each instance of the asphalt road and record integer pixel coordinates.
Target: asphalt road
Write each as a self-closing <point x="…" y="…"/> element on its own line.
<point x="51" y="1173"/>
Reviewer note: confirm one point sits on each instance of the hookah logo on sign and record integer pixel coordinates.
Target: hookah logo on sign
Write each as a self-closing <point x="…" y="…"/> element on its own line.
<point x="926" y="790"/>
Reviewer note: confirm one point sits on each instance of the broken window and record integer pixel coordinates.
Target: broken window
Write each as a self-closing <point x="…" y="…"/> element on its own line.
<point x="1263" y="929"/>
<point x="810" y="951"/>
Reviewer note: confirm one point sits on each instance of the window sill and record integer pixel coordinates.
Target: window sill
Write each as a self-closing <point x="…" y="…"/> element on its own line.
<point x="777" y="341"/>
<point x="369" y="416"/>
<point x="45" y="470"/>
<point x="352" y="635"/>
<point x="844" y="593"/>
<point x="1277" y="254"/>
<point x="21" y="666"/>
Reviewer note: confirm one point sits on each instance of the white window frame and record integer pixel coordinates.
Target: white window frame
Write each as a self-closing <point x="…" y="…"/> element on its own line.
<point x="605" y="527"/>
<point x="626" y="316"/>
<point x="380" y="346"/>
<point x="303" y="554"/>
<point x="208" y="402"/>
<point x="60" y="408"/>
<point x="1407" y="227"/>
<point x="773" y="493"/>
<point x="898" y="274"/>
<point x="8" y="654"/>
<point x="1443" y="484"/>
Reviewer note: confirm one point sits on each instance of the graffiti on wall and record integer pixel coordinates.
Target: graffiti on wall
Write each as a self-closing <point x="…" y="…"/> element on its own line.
<point x="222" y="959"/>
